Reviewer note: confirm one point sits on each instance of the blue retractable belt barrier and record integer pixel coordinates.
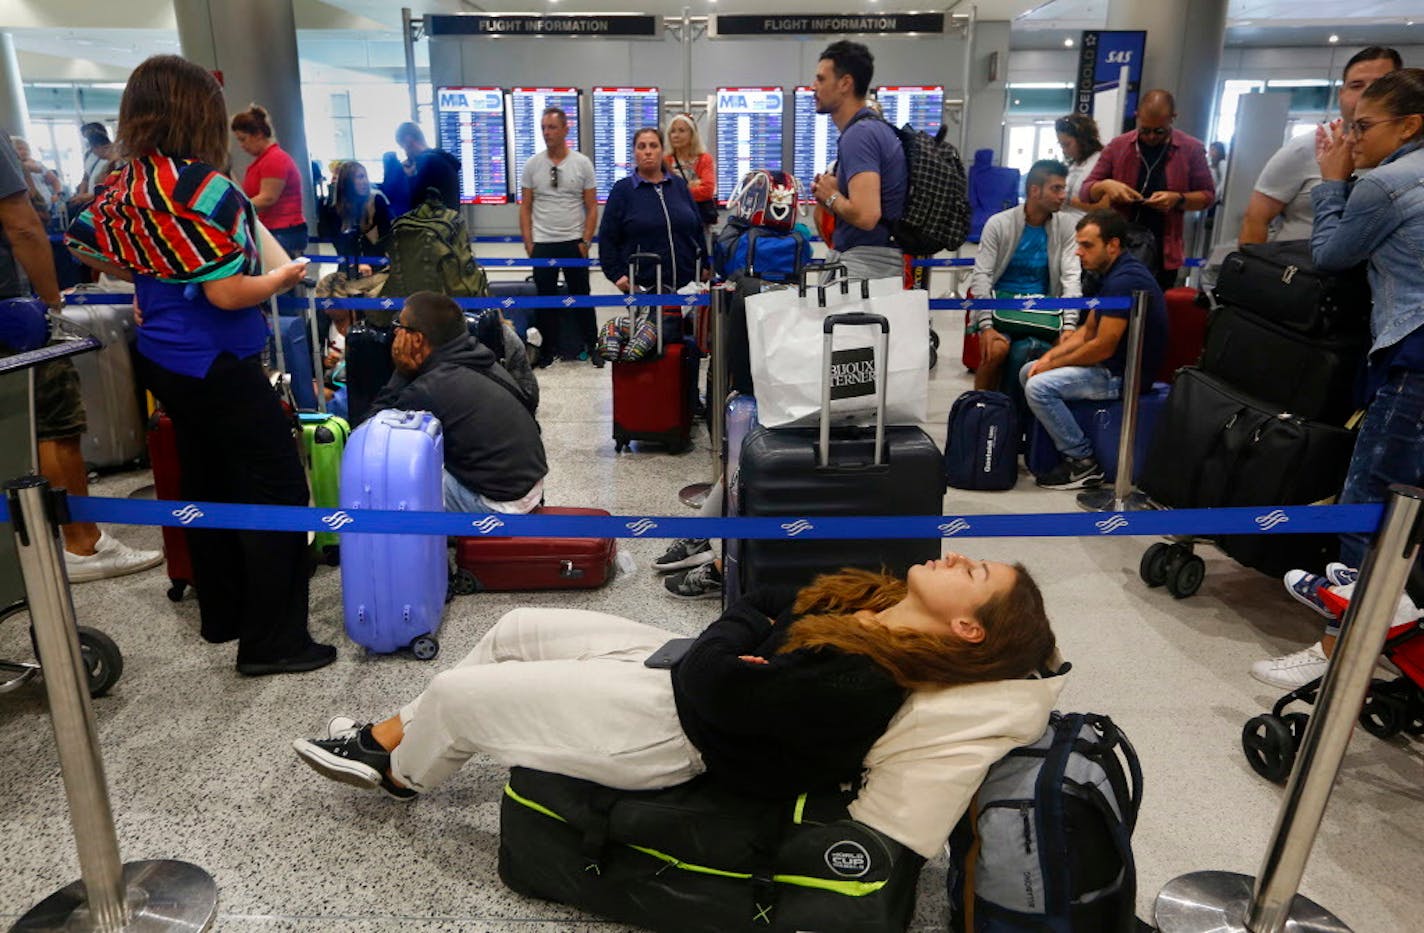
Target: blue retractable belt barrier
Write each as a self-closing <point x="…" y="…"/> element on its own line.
<point x="510" y="301"/>
<point x="1196" y="522"/>
<point x="1030" y="304"/>
<point x="953" y="261"/>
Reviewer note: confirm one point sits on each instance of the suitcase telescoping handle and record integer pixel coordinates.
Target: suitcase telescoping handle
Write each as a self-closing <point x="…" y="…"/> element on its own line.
<point x="882" y="362"/>
<point x="657" y="262"/>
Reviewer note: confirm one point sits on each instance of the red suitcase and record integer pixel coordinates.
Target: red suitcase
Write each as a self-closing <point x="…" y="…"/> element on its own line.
<point x="485" y="563"/>
<point x="1186" y="332"/>
<point x="163" y="455"/>
<point x="650" y="397"/>
<point x="970" y="354"/>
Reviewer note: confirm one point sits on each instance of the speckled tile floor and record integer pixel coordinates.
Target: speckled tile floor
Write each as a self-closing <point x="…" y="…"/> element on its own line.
<point x="199" y="764"/>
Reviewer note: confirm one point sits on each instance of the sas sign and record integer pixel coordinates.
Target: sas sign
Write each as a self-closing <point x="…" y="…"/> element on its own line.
<point x="1123" y="57"/>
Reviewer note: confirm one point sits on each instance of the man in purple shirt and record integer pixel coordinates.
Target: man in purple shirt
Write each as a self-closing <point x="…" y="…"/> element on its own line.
<point x="867" y="190"/>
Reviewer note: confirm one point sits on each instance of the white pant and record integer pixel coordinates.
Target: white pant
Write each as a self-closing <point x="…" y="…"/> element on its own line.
<point x="561" y="690"/>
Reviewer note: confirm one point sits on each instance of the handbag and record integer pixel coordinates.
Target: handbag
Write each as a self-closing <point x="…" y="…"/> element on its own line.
<point x="785" y="328"/>
<point x="707" y="209"/>
<point x="1024" y="322"/>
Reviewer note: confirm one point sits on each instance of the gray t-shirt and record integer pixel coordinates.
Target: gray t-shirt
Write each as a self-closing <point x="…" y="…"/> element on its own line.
<point x="1289" y="177"/>
<point x="12" y="180"/>
<point x="558" y="212"/>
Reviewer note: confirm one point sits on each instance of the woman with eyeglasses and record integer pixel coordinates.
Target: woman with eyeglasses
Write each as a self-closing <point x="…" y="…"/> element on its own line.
<point x="1377" y="219"/>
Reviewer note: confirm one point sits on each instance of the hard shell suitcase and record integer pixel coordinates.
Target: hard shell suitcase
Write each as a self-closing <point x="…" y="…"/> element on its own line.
<point x="1186" y="332"/>
<point x="1279" y="282"/>
<point x="323" y="441"/>
<point x="168" y="484"/>
<point x="111" y="401"/>
<point x="981" y="448"/>
<point x="810" y="472"/>
<point x="393" y="586"/>
<point x="1310" y="377"/>
<point x="969" y="353"/>
<point x="650" y="397"/>
<point x="296" y="358"/>
<point x="1102" y="422"/>
<point x="368" y="367"/>
<point x="741" y="419"/>
<point x="506" y="563"/>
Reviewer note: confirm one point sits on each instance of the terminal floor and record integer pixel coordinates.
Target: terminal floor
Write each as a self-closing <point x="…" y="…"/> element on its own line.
<point x="200" y="765"/>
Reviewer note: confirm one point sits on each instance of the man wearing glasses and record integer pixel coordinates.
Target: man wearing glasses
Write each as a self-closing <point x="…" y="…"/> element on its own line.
<point x="558" y="214"/>
<point x="1283" y="190"/>
<point x="1153" y="175"/>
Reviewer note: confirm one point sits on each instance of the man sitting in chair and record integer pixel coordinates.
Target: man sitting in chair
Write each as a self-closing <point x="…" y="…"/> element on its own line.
<point x="1027" y="250"/>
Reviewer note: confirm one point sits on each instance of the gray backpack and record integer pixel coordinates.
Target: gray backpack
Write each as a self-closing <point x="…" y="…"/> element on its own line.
<point x="1046" y="843"/>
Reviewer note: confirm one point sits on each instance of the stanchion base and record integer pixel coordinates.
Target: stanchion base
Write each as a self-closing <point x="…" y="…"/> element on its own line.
<point x="1217" y="902"/>
<point x="1104" y="499"/>
<point x="164" y="896"/>
<point x="695" y="495"/>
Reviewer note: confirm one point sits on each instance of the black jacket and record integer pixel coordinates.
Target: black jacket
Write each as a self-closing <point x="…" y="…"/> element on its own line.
<point x="436" y="168"/>
<point x="805" y="719"/>
<point x="492" y="443"/>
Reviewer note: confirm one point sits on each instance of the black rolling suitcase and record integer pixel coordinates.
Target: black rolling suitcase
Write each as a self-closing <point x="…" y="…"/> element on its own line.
<point x="1218" y="447"/>
<point x="810" y="472"/>
<point x="368" y="367"/>
<point x="1310" y="377"/>
<point x="1279" y="282"/>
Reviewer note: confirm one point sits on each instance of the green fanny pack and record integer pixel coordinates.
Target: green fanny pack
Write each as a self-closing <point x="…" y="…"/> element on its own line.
<point x="1043" y="324"/>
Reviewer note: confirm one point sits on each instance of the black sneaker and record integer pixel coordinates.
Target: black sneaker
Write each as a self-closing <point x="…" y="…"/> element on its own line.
<point x="596" y="359"/>
<point x="1072" y="473"/>
<point x="703" y="582"/>
<point x="350" y="755"/>
<point x="684" y="554"/>
<point x="311" y="658"/>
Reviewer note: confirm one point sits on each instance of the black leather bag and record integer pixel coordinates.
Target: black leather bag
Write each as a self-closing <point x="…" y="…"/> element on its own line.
<point x="1279" y="282"/>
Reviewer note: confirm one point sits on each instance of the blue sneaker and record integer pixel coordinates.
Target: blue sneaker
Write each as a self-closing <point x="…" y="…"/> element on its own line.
<point x="1340" y="575"/>
<point x="1305" y="588"/>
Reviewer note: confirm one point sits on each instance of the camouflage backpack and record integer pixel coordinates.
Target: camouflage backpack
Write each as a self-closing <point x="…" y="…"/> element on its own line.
<point x="430" y="251"/>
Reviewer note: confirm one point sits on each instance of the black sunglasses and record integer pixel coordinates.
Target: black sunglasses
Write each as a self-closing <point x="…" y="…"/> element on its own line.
<point x="555" y="170"/>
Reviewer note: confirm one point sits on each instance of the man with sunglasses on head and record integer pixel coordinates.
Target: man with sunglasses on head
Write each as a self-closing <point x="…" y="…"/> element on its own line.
<point x="558" y="214"/>
<point x="1283" y="190"/>
<point x="1152" y="176"/>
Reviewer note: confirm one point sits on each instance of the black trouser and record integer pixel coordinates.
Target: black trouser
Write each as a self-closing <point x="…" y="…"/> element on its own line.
<point x="235" y="444"/>
<point x="566" y="330"/>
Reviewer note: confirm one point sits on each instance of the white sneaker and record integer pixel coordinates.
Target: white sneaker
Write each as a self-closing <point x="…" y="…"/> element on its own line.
<point x="111" y="558"/>
<point x="1292" y="670"/>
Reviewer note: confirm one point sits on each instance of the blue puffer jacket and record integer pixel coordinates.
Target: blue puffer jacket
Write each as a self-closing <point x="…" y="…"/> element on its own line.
<point x="651" y="217"/>
<point x="1379" y="218"/>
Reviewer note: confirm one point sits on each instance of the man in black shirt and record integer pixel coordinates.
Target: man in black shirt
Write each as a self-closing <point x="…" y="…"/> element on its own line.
<point x="427" y="168"/>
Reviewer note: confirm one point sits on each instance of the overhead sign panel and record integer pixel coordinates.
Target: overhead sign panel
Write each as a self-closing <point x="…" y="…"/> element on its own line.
<point x="526" y="111"/>
<point x="764" y="25"/>
<point x="624" y="25"/>
<point x="471" y="121"/>
<point x="748" y="133"/>
<point x="921" y="106"/>
<point x="814" y="145"/>
<point x="617" y="113"/>
<point x="1109" y="76"/>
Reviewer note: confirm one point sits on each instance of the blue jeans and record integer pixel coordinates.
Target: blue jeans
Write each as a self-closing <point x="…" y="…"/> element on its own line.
<point x="293" y="239"/>
<point x="1049" y="392"/>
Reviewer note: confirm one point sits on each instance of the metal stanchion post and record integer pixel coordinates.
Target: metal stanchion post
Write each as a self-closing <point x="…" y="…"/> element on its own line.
<point x="695" y="494"/>
<point x="1226" y="902"/>
<point x="158" y="895"/>
<point x="1120" y="497"/>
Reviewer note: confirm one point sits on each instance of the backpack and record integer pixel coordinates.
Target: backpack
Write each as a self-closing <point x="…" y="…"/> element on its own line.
<point x="982" y="447"/>
<point x="1046" y="844"/>
<point x="936" y="215"/>
<point x="760" y="252"/>
<point x="430" y="251"/>
<point x="767" y="199"/>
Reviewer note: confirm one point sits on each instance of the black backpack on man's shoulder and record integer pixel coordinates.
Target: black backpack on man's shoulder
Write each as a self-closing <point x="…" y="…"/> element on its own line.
<point x="936" y="213"/>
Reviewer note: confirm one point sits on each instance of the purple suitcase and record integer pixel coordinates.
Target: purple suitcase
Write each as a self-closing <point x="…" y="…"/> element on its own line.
<point x="393" y="586"/>
<point x="741" y="418"/>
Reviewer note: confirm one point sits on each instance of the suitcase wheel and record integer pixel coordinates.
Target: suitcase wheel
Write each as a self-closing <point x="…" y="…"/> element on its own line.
<point x="1185" y="571"/>
<point x="103" y="663"/>
<point x="618" y="445"/>
<point x="331" y="555"/>
<point x="464" y="583"/>
<point x="1153" y="568"/>
<point x="175" y="592"/>
<point x="425" y="648"/>
<point x="1269" y="748"/>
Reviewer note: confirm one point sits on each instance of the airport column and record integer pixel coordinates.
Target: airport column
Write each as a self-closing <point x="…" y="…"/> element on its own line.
<point x="14" y="115"/>
<point x="253" y="46"/>
<point x="1184" y="42"/>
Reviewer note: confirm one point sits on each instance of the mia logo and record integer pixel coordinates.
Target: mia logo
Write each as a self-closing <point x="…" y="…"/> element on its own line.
<point x="641" y="527"/>
<point x="793" y="529"/>
<point x="848" y="859"/>
<point x="950" y="529"/>
<point x="1272" y="519"/>
<point x="337" y="520"/>
<point x="1113" y="523"/>
<point x="188" y="513"/>
<point x="487" y="524"/>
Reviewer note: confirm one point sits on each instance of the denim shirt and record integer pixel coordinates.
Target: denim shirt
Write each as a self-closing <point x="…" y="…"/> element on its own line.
<point x="1382" y="221"/>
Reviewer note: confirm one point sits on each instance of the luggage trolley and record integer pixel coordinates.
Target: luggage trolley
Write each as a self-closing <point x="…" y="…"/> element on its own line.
<point x="103" y="663"/>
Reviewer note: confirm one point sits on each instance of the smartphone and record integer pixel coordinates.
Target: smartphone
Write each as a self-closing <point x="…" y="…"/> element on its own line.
<point x="302" y="259"/>
<point x="669" y="654"/>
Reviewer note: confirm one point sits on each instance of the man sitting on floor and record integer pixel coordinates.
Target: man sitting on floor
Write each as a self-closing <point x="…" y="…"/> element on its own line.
<point x="494" y="457"/>
<point x="1089" y="363"/>
<point x="1025" y="251"/>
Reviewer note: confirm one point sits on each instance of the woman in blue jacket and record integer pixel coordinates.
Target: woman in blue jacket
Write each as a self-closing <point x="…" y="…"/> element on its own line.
<point x="1379" y="219"/>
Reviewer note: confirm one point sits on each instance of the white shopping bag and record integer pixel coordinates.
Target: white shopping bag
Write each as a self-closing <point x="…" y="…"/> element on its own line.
<point x="785" y="331"/>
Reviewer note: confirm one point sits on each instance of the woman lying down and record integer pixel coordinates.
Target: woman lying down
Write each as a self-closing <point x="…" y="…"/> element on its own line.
<point x="786" y="692"/>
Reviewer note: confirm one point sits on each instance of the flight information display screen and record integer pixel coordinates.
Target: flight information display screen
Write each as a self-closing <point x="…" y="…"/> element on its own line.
<point x="526" y="109"/>
<point x="471" y="125"/>
<point x="813" y="147"/>
<point x="921" y="107"/>
<point x="749" y="133"/>
<point x="617" y="112"/>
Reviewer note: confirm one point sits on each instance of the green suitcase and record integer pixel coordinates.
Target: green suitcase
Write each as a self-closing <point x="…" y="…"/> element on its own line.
<point x="323" y="441"/>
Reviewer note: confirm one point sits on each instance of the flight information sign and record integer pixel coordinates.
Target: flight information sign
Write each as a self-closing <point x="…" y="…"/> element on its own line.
<point x="813" y="147"/>
<point x="472" y="127"/>
<point x="921" y="107"/>
<point x="617" y="113"/>
<point x="749" y="133"/>
<point x="526" y="109"/>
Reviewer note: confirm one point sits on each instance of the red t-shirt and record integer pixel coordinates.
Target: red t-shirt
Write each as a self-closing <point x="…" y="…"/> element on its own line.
<point x="274" y="163"/>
